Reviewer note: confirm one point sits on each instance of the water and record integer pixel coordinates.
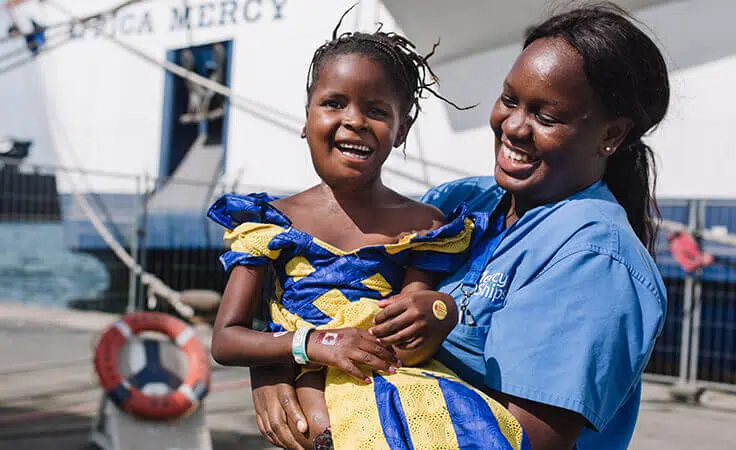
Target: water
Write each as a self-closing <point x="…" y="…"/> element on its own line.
<point x="35" y="268"/>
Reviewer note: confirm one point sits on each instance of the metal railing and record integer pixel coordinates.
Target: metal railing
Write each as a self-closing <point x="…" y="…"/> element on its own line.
<point x="697" y="348"/>
<point x="54" y="256"/>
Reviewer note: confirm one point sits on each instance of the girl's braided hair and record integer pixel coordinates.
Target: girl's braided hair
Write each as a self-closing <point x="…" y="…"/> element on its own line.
<point x="409" y="70"/>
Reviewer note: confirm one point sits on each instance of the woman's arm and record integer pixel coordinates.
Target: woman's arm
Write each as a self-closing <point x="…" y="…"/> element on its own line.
<point x="278" y="413"/>
<point x="548" y="427"/>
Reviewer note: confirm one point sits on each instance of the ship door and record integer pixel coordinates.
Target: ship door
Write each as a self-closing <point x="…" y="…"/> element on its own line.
<point x="194" y="116"/>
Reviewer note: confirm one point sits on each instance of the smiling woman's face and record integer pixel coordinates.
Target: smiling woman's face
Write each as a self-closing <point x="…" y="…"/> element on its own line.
<point x="550" y="129"/>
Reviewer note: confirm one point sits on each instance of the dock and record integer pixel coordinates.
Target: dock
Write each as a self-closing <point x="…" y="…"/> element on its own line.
<point x="49" y="395"/>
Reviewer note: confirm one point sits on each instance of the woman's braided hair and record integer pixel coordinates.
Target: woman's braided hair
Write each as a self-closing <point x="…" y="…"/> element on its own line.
<point x="410" y="71"/>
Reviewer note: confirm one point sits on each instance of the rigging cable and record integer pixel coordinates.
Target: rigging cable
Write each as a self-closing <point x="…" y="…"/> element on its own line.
<point x="22" y="62"/>
<point x="70" y="23"/>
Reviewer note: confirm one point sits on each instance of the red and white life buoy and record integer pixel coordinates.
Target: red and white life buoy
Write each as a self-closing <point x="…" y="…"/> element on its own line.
<point x="184" y="399"/>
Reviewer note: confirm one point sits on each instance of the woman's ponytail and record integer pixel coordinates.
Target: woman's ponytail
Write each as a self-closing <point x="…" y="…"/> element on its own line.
<point x="631" y="175"/>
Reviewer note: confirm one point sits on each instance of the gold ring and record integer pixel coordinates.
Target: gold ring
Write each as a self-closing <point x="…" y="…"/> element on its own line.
<point x="439" y="309"/>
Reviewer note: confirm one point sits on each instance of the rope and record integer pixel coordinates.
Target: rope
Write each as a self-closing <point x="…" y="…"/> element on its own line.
<point x="292" y="124"/>
<point x="155" y="286"/>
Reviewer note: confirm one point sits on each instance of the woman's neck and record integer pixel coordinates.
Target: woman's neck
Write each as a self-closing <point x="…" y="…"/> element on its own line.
<point x="519" y="205"/>
<point x="511" y="212"/>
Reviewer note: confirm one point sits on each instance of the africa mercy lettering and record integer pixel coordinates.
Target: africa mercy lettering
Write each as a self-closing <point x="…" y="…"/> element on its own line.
<point x="208" y="14"/>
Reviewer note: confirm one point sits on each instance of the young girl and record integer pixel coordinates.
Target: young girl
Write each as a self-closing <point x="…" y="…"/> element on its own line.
<point x="341" y="247"/>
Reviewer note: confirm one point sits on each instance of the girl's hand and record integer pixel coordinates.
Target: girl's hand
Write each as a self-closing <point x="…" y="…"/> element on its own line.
<point x="348" y="349"/>
<point x="411" y="320"/>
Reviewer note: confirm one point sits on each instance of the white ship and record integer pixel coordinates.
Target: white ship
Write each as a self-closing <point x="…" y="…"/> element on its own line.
<point x="101" y="98"/>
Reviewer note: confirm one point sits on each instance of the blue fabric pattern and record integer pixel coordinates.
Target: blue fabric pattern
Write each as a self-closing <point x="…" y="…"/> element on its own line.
<point x="345" y="272"/>
<point x="391" y="414"/>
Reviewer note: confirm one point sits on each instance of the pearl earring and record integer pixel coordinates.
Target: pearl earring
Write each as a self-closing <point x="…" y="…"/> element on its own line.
<point x="608" y="149"/>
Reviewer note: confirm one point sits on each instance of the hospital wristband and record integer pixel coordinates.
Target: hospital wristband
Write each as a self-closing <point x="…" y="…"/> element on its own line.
<point x="299" y="345"/>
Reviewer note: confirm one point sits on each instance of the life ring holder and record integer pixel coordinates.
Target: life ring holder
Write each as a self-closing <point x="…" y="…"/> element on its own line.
<point x="179" y="402"/>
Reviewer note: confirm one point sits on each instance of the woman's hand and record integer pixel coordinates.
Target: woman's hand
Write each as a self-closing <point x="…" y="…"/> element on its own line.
<point x="350" y="348"/>
<point x="278" y="413"/>
<point x="416" y="321"/>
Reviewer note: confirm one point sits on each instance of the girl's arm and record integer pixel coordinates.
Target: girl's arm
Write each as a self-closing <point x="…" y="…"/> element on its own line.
<point x="234" y="343"/>
<point x="415" y="324"/>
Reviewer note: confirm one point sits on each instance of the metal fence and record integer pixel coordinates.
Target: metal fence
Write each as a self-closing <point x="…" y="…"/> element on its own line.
<point x="57" y="258"/>
<point x="697" y="348"/>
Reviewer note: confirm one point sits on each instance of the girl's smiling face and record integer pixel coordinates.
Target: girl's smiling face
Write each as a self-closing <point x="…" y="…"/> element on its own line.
<point x="552" y="134"/>
<point x="354" y="119"/>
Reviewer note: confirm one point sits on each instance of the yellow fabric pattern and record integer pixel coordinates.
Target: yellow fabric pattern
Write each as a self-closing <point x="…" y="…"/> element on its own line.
<point x="427" y="416"/>
<point x="298" y="267"/>
<point x="453" y="244"/>
<point x="379" y="284"/>
<point x="331" y="248"/>
<point x="253" y="238"/>
<point x="509" y="426"/>
<point x="331" y="302"/>
<point x="366" y="433"/>
<point x="358" y="427"/>
<point x="356" y="314"/>
<point x="282" y="316"/>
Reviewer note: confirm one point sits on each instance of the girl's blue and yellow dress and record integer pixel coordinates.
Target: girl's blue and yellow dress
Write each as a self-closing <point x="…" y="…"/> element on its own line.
<point x="320" y="286"/>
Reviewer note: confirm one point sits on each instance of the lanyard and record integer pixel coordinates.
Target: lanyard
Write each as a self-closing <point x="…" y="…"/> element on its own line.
<point x="480" y="257"/>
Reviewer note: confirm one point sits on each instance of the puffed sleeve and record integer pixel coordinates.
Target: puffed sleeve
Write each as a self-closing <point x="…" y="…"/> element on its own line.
<point x="249" y="245"/>
<point x="577" y="336"/>
<point x="252" y="224"/>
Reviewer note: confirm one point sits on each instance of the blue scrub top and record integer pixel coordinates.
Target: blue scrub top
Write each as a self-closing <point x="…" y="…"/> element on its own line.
<point x="566" y="311"/>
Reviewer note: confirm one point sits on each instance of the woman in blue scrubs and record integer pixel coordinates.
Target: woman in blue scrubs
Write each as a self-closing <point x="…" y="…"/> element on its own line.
<point x="559" y="310"/>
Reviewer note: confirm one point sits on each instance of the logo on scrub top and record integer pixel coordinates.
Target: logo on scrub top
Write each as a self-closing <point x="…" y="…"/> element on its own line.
<point x="493" y="286"/>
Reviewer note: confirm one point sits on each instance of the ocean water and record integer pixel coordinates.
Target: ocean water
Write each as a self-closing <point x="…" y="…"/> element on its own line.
<point x="35" y="268"/>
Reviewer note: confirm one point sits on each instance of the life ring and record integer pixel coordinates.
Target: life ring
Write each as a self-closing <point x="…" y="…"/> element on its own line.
<point x="182" y="400"/>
